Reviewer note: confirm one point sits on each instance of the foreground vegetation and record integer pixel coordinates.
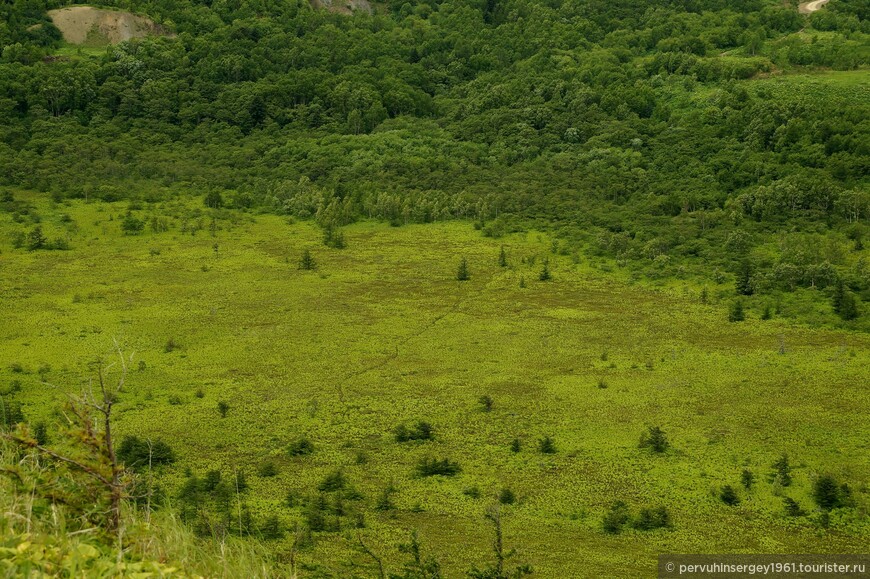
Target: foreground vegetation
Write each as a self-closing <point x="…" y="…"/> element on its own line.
<point x="375" y="394"/>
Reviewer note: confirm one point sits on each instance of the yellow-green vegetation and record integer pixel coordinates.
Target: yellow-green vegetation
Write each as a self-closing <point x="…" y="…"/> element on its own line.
<point x="240" y="354"/>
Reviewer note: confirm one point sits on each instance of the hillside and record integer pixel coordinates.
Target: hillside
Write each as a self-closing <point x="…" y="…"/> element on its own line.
<point x="371" y="289"/>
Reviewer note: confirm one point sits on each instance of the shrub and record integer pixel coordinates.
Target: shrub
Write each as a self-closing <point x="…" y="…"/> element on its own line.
<point x="462" y="271"/>
<point x="655" y="439"/>
<point x="429" y="466"/>
<point x="516" y="445"/>
<point x="306" y="262"/>
<point x="385" y="499"/>
<point x="486" y="402"/>
<point x="545" y="271"/>
<point x="729" y="496"/>
<point x="420" y="431"/>
<point x="736" y="314"/>
<point x="781" y="473"/>
<point x="507" y="497"/>
<point x="223" y="408"/>
<point x="300" y="447"/>
<point x="615" y="518"/>
<point x="267" y="469"/>
<point x="829" y="494"/>
<point x="747" y="479"/>
<point x="334" y="481"/>
<point x="652" y="518"/>
<point x="137" y="453"/>
<point x="271" y="528"/>
<point x="472" y="492"/>
<point x="792" y="508"/>
<point x="547" y="446"/>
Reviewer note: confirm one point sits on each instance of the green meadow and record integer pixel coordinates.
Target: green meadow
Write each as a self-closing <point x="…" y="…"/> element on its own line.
<point x="381" y="333"/>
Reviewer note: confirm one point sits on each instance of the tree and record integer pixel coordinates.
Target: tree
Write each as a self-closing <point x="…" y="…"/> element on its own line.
<point x="36" y="239"/>
<point x="223" y="408"/>
<point x="545" y="271"/>
<point x="515" y="445"/>
<point x="213" y="200"/>
<point x="792" y="508"/>
<point x="131" y="225"/>
<point x="781" y="473"/>
<point x="743" y="284"/>
<point x="843" y="302"/>
<point x="486" y="402"/>
<point x="729" y="496"/>
<point x="462" y="272"/>
<point x="507" y="497"/>
<point x="615" y="518"/>
<point x="654" y="439"/>
<point x="735" y="314"/>
<point x="502" y="257"/>
<point x="306" y="262"/>
<point x="547" y="446"/>
<point x="829" y="494"/>
<point x="747" y="479"/>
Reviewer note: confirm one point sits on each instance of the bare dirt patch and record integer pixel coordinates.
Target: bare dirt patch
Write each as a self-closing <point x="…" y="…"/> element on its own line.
<point x="89" y="25"/>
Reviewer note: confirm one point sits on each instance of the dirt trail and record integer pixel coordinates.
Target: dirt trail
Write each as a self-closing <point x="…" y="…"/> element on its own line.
<point x="81" y="24"/>
<point x="807" y="7"/>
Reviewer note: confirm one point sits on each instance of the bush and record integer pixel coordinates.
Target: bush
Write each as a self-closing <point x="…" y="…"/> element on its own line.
<point x="428" y="466"/>
<point x="547" y="446"/>
<point x="223" y="408"/>
<point x="829" y="494"/>
<point x="420" y="431"/>
<point x="267" y="469"/>
<point x="462" y="271"/>
<point x="654" y="439"/>
<point x="300" y="447"/>
<point x="747" y="479"/>
<point x="736" y="314"/>
<point x="334" y="481"/>
<point x="486" y="402"/>
<point x="792" y="508"/>
<point x="781" y="473"/>
<point x="507" y="497"/>
<point x="137" y="454"/>
<point x="729" y="496"/>
<point x="615" y="518"/>
<point x="652" y="518"/>
<point x="516" y="446"/>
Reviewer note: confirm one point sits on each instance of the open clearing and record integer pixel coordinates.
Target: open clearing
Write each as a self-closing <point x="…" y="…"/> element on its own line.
<point x="382" y="333"/>
<point x="89" y="25"/>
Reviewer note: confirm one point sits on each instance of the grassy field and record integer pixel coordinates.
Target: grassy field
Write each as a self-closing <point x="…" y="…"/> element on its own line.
<point x="382" y="333"/>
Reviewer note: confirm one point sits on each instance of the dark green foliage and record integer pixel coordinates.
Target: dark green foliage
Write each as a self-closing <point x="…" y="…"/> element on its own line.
<point x="306" y="262"/>
<point x="781" y="473"/>
<point x="10" y="413"/>
<point x="729" y="496"/>
<point x="36" y="239"/>
<point x="267" y="469"/>
<point x="843" y="302"/>
<point x="421" y="430"/>
<point x="486" y="402"/>
<point x="507" y="497"/>
<point x="829" y="494"/>
<point x="271" y="528"/>
<point x="743" y="285"/>
<point x="792" y="508"/>
<point x="170" y="346"/>
<point x="131" y="225"/>
<point x="300" y="447"/>
<point x="40" y="433"/>
<point x="735" y="313"/>
<point x="334" y="481"/>
<point x="655" y="439"/>
<point x="545" y="271"/>
<point x="516" y="445"/>
<point x="138" y="454"/>
<point x="546" y="445"/>
<point x="333" y="237"/>
<point x="616" y="517"/>
<point x="429" y="466"/>
<point x="747" y="479"/>
<point x="502" y="257"/>
<point x="462" y="271"/>
<point x="385" y="499"/>
<point x="649" y="519"/>
<point x="213" y="200"/>
<point x="223" y="407"/>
